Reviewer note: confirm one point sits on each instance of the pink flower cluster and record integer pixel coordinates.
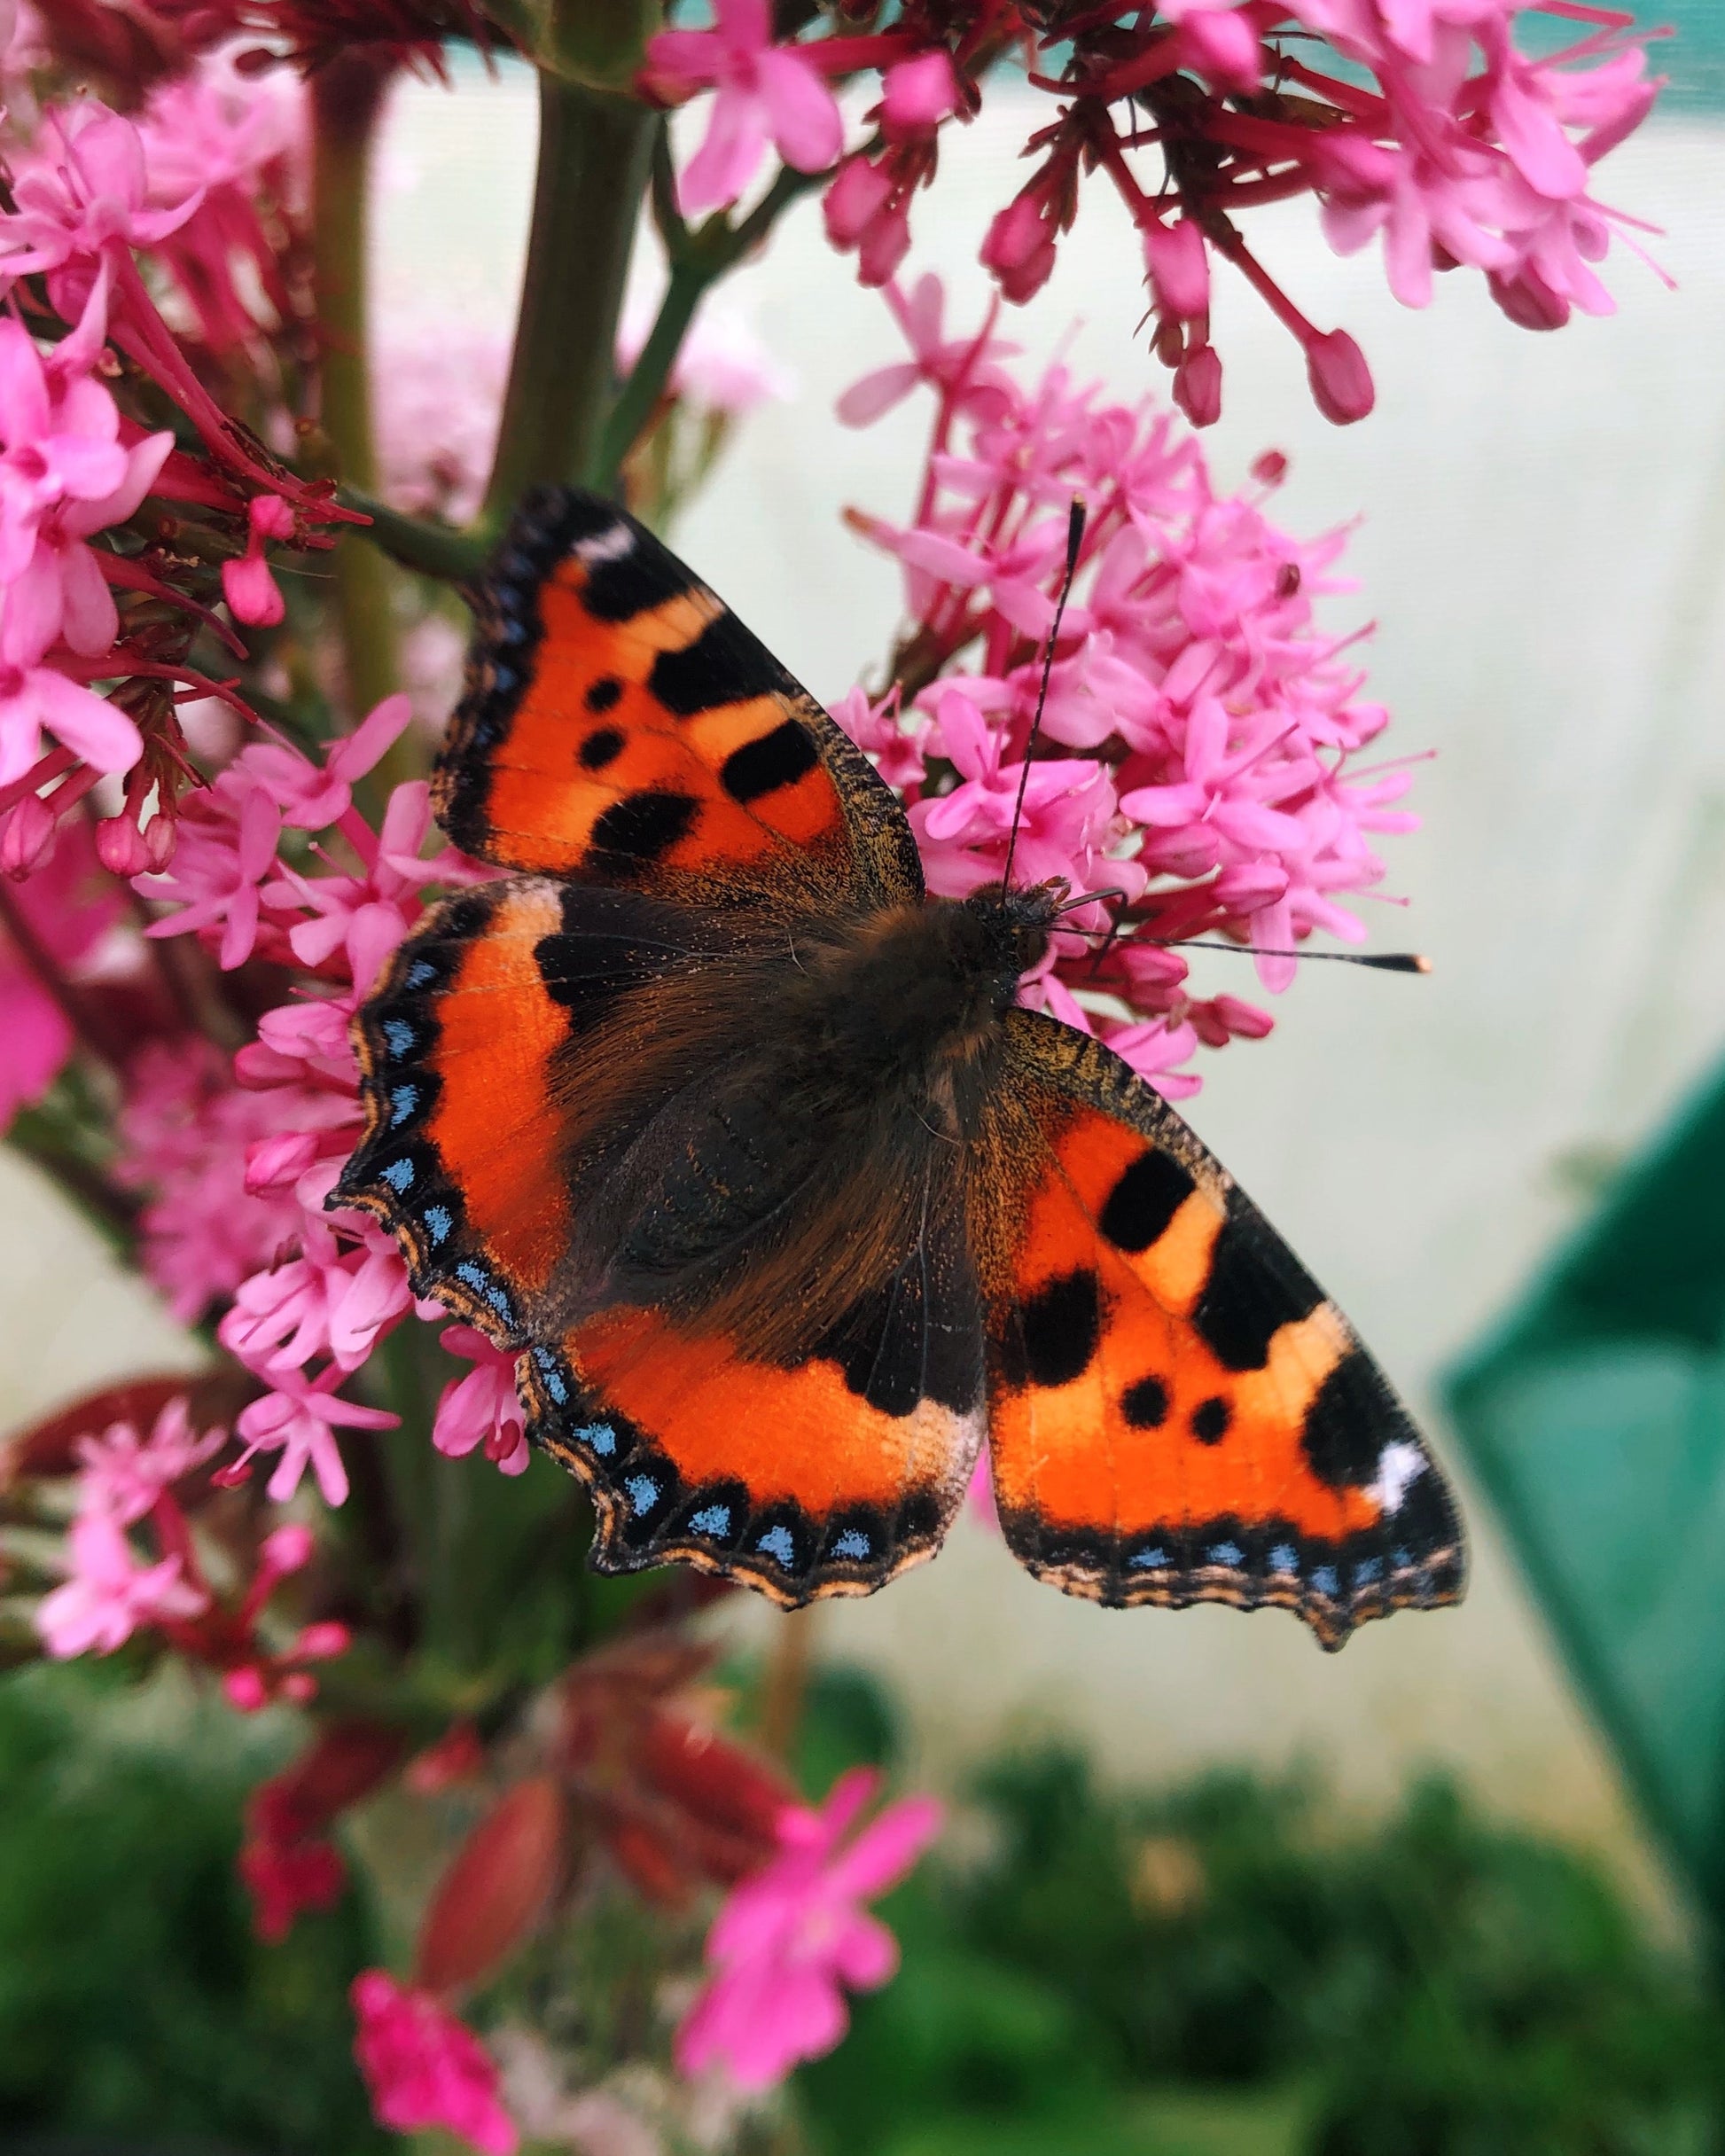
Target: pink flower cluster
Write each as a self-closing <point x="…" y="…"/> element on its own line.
<point x="794" y="1937"/>
<point x="1425" y="121"/>
<point x="91" y="192"/>
<point x="1196" y="751"/>
<point x="236" y="1169"/>
<point x="108" y="1592"/>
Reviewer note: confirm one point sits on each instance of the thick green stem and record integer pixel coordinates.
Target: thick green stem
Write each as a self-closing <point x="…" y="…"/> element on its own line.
<point x="346" y="96"/>
<point x="434" y="549"/>
<point x="593" y="157"/>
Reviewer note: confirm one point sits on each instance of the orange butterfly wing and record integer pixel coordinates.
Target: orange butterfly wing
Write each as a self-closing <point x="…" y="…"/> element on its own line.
<point x="1177" y="1413"/>
<point x="620" y="726"/>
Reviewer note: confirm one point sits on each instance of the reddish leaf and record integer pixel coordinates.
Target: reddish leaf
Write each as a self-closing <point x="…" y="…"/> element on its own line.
<point x="494" y="1889"/>
<point x="346" y="1761"/>
<point x="717" y="1780"/>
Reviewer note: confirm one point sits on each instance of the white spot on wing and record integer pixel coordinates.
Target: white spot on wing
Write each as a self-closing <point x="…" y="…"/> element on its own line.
<point x="605" y="546"/>
<point x="1399" y="1464"/>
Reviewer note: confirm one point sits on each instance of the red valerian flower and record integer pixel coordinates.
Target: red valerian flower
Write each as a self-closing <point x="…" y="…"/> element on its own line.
<point x="794" y="1937"/>
<point x="425" y="2069"/>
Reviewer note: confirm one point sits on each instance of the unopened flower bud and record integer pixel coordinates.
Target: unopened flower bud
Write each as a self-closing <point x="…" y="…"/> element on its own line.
<point x="120" y="846"/>
<point x="1198" y="386"/>
<point x="1340" y="379"/>
<point x="1179" y="268"/>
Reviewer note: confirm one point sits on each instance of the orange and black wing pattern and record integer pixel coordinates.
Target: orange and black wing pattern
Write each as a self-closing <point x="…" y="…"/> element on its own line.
<point x="827" y="1473"/>
<point x="620" y="726"/>
<point x="1176" y="1412"/>
<point x="469" y="1050"/>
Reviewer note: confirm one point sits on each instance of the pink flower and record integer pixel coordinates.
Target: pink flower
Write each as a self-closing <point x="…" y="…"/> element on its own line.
<point x="1213" y="792"/>
<point x="938" y="361"/>
<point x="424" y="2068"/>
<point x="238" y="144"/>
<point x="83" y="191"/>
<point x="299" y="1420"/>
<point x="483" y="1408"/>
<point x="35" y="697"/>
<point x="109" y="1594"/>
<point x="124" y="1474"/>
<point x="252" y="592"/>
<point x="792" y="1938"/>
<point x="766" y="91"/>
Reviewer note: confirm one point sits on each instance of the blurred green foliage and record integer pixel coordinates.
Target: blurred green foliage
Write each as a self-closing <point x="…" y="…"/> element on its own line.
<point x="134" y="2000"/>
<point x="1232" y="1970"/>
<point x="1229" y="1969"/>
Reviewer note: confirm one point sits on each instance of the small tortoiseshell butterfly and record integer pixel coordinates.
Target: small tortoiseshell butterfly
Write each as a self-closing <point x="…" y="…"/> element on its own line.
<point x="740" y="1141"/>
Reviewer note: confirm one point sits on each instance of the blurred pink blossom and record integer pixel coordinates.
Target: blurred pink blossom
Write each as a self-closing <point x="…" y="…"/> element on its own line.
<point x="425" y="2069"/>
<point x="765" y="92"/>
<point x="792" y="1938"/>
<point x="108" y="1593"/>
<point x="64" y="907"/>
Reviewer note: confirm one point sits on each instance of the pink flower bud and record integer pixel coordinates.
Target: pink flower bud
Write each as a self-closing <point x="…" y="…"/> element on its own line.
<point x="270" y="516"/>
<point x="885" y="245"/>
<point x="246" y="1689"/>
<point x="286" y="1549"/>
<point x="1198" y="386"/>
<point x="918" y="94"/>
<point x="1270" y="469"/>
<point x="1529" y="301"/>
<point x="252" y="593"/>
<point x="858" y="192"/>
<point x="1020" y="249"/>
<point x="1340" y="379"/>
<point x="298" y="1687"/>
<point x="161" y="835"/>
<point x="120" y="846"/>
<point x="1179" y="268"/>
<point x="28" y="833"/>
<point x="322" y="1643"/>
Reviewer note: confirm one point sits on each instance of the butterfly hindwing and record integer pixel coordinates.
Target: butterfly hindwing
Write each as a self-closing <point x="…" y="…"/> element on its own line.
<point x="818" y="1472"/>
<point x="1177" y="1413"/>
<point x="620" y="725"/>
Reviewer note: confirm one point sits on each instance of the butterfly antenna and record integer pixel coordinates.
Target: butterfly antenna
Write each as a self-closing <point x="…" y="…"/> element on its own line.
<point x="1379" y="961"/>
<point x="1075" y="540"/>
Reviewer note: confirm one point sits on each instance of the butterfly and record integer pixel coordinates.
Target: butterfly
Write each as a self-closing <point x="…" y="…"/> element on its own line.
<point x="744" y="1146"/>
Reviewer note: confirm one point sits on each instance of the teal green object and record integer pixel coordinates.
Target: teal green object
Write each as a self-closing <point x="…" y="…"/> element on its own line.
<point x="1595" y="1416"/>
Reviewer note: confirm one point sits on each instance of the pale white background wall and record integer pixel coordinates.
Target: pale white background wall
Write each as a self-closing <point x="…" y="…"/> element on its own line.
<point x="1544" y="545"/>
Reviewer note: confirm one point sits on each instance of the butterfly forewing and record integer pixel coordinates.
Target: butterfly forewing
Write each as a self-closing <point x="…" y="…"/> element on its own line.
<point x="621" y="726"/>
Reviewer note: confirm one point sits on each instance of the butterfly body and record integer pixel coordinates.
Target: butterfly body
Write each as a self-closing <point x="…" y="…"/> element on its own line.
<point x="743" y="1144"/>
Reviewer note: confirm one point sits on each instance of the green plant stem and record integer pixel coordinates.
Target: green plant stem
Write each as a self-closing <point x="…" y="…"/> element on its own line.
<point x="699" y="259"/>
<point x="347" y="98"/>
<point x="434" y="549"/>
<point x="593" y="157"/>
